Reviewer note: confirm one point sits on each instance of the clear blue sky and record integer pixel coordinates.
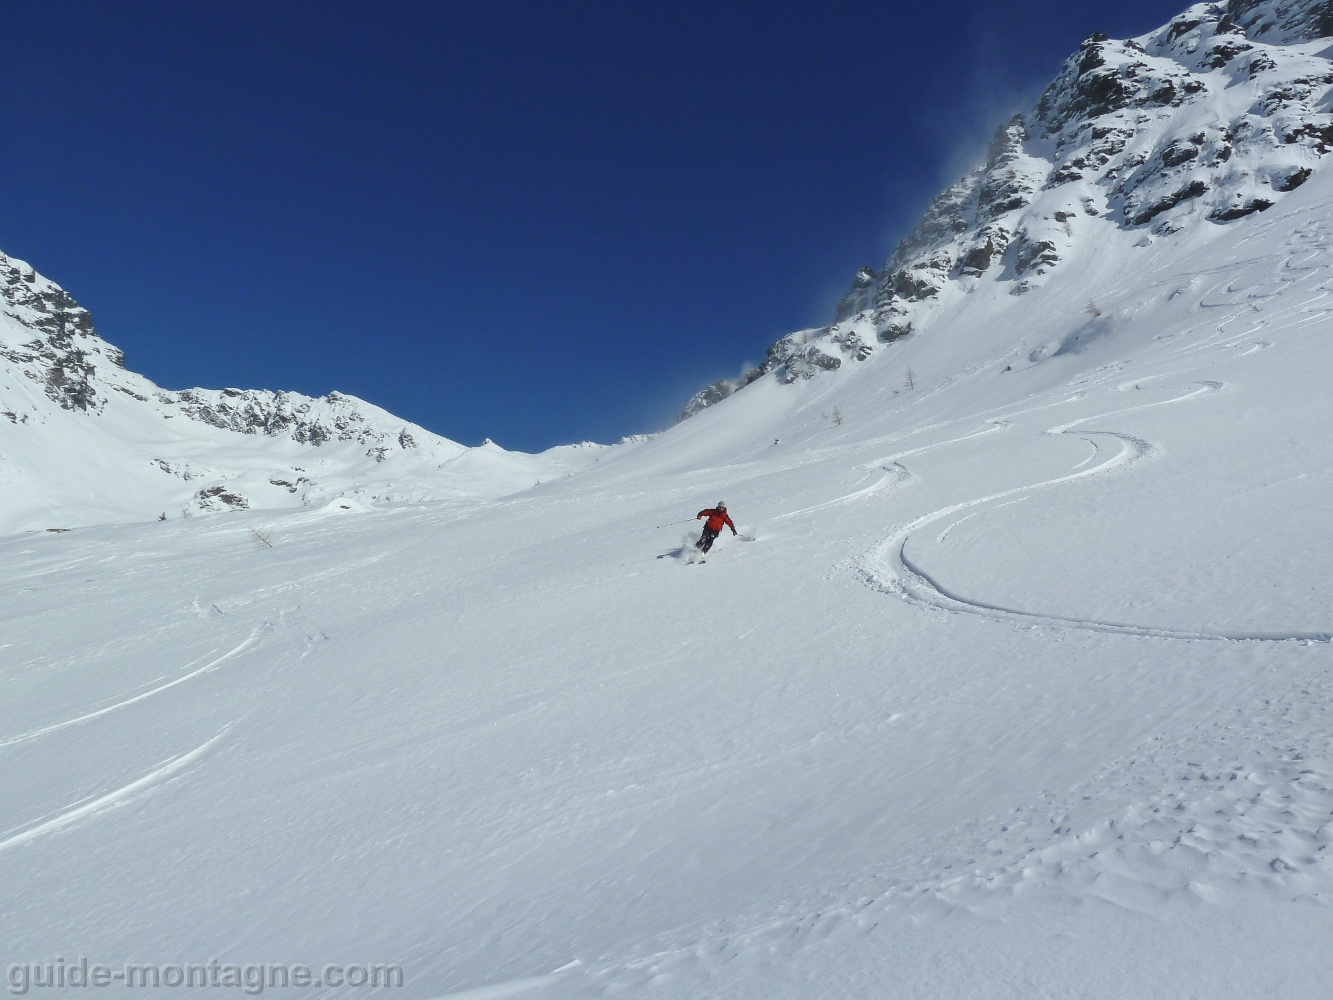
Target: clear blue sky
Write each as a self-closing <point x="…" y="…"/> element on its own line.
<point x="536" y="222"/>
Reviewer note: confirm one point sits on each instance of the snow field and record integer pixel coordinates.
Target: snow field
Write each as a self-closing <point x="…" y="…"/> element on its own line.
<point x="1021" y="689"/>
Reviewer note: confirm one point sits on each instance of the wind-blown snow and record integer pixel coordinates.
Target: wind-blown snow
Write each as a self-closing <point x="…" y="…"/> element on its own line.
<point x="1018" y="683"/>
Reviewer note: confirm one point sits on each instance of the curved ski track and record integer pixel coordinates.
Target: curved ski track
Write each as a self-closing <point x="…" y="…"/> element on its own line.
<point x="166" y="770"/>
<point x="894" y="474"/>
<point x="887" y="568"/>
<point x="33" y="734"/>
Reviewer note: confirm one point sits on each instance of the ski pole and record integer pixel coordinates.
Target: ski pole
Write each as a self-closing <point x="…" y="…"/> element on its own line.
<point x="674" y="523"/>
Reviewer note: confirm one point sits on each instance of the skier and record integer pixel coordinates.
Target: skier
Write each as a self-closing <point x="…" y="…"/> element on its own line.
<point x="717" y="517"/>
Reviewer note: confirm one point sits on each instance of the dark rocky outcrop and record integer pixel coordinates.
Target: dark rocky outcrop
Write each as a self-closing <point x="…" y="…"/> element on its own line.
<point x="218" y="498"/>
<point x="1180" y="151"/>
<point x="1241" y="210"/>
<point x="977" y="259"/>
<point x="706" y="397"/>
<point x="1282" y="21"/>
<point x="1034" y="255"/>
<point x="860" y="298"/>
<point x="1150" y="212"/>
<point x="850" y="343"/>
<point x="1293" y="180"/>
<point x="1106" y="76"/>
<point x="806" y="362"/>
<point x="894" y="331"/>
<point x="64" y="351"/>
<point x="796" y="356"/>
<point x="1106" y="141"/>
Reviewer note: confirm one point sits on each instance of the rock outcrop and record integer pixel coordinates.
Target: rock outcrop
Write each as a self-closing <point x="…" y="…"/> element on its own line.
<point x="83" y="436"/>
<point x="56" y="346"/>
<point x="84" y="440"/>
<point x="1213" y="117"/>
<point x="51" y="342"/>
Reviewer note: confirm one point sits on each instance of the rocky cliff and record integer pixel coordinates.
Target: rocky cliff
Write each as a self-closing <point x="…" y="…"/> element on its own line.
<point x="1211" y="118"/>
<point x="51" y="342"/>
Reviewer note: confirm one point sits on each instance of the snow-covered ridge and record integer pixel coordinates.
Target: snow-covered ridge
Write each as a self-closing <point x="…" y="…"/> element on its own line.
<point x="84" y="440"/>
<point x="1213" y="117"/>
<point x="49" y="337"/>
<point x="50" y="340"/>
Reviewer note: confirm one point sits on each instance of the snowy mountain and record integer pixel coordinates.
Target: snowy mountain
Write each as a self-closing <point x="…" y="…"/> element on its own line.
<point x="85" y="441"/>
<point x="1215" y="116"/>
<point x="1016" y="681"/>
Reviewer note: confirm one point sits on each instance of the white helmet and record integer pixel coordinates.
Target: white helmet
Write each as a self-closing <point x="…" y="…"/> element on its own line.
<point x="721" y="505"/>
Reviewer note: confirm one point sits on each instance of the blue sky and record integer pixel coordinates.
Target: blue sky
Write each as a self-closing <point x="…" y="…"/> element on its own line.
<point x="535" y="222"/>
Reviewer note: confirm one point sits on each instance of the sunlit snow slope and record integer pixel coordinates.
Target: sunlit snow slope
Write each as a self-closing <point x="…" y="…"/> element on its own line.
<point x="1017" y="683"/>
<point x="1022" y="687"/>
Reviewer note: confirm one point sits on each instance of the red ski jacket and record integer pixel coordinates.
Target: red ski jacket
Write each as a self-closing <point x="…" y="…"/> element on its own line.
<point x="716" y="518"/>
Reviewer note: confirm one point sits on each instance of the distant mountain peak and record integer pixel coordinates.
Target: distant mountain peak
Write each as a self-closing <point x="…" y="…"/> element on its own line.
<point x="84" y="440"/>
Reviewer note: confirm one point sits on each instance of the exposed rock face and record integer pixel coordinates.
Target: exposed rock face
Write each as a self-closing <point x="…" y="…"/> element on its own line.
<point x="59" y="350"/>
<point x="1211" y="118"/>
<point x="1282" y="21"/>
<point x="219" y="498"/>
<point x="861" y="297"/>
<point x="60" y="382"/>
<point x="63" y="352"/>
<point x="795" y="357"/>
<point x="806" y="361"/>
<point x="334" y="417"/>
<point x="849" y="342"/>
<point x="706" y="397"/>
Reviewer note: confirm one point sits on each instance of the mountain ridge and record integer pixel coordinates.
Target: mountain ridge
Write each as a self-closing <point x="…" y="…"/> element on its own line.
<point x="86" y="440"/>
<point x="1210" y="118"/>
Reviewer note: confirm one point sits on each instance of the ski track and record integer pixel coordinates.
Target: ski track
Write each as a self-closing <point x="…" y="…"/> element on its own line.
<point x="1180" y="814"/>
<point x="513" y="987"/>
<point x="996" y="424"/>
<point x="909" y="581"/>
<point x="894" y="474"/>
<point x="1095" y="452"/>
<point x="213" y="665"/>
<point x="945" y="533"/>
<point x="169" y="768"/>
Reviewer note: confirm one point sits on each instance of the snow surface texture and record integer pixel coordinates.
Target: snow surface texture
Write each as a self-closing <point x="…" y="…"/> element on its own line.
<point x="1021" y="686"/>
<point x="84" y="441"/>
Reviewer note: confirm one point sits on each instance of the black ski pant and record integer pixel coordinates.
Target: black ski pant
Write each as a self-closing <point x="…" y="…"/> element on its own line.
<point x="706" y="540"/>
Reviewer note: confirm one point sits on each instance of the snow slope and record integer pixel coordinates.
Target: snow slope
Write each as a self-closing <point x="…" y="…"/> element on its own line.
<point x="1022" y="688"/>
<point x="1214" y="117"/>
<point x="84" y="441"/>
<point x="1020" y="683"/>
